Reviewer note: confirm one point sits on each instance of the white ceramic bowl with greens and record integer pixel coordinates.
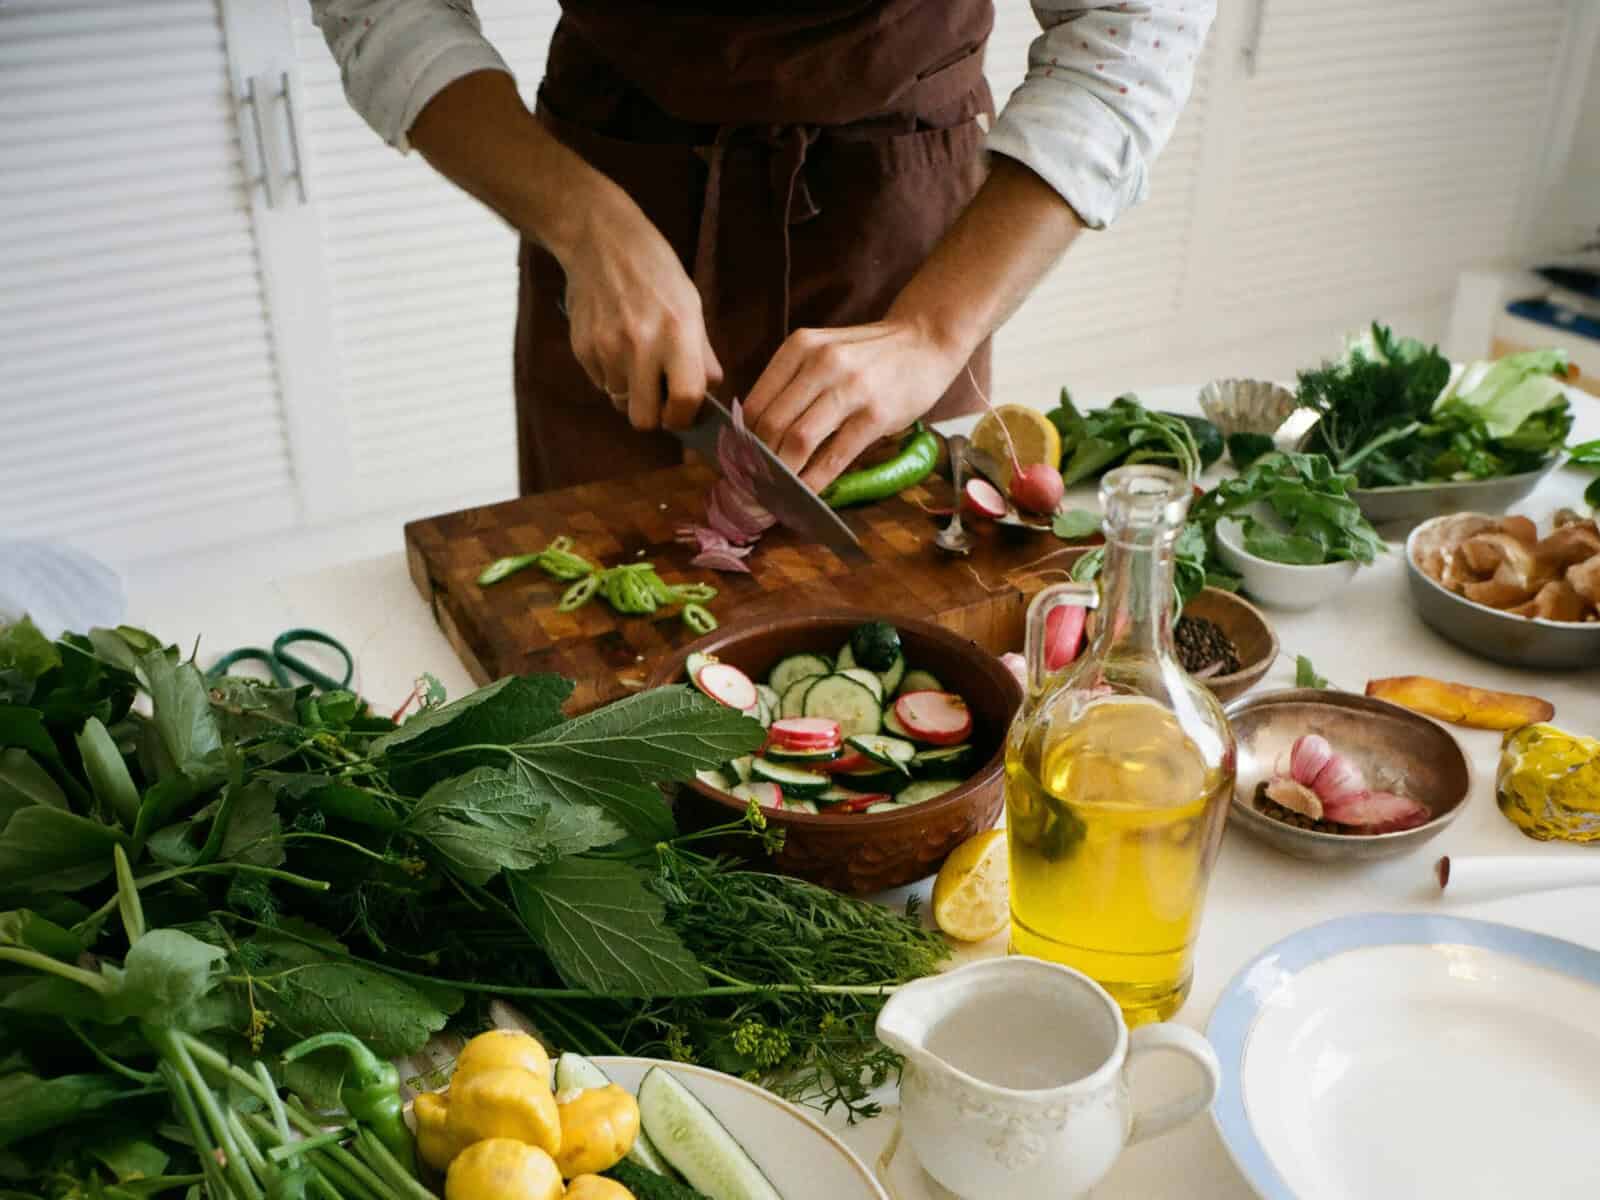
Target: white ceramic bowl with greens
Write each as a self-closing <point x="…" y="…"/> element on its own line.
<point x="1275" y="584"/>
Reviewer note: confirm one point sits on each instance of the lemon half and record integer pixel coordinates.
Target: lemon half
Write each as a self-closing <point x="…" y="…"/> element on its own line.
<point x="1036" y="439"/>
<point x="972" y="895"/>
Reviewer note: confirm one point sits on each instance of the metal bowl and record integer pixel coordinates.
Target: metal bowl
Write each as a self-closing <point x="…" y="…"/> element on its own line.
<point x="1394" y="747"/>
<point x="1418" y="501"/>
<point x="1500" y="636"/>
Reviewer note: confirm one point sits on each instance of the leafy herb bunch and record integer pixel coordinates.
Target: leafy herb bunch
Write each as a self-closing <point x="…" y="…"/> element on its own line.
<point x="348" y="874"/>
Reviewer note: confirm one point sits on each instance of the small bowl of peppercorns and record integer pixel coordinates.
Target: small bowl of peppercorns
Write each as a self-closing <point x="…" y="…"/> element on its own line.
<point x="1225" y="642"/>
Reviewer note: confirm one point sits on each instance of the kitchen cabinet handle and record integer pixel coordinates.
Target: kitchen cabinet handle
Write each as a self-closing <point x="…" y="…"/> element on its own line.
<point x="271" y="178"/>
<point x="299" y="175"/>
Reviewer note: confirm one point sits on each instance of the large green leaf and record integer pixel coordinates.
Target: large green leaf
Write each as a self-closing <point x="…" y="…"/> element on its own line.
<point x="183" y="717"/>
<point x="254" y="834"/>
<point x="46" y="849"/>
<point x="24" y="782"/>
<point x="604" y="930"/>
<point x="24" y="728"/>
<point x="489" y="819"/>
<point x="164" y="975"/>
<point x="30" y="1105"/>
<point x="25" y="650"/>
<point x="509" y="710"/>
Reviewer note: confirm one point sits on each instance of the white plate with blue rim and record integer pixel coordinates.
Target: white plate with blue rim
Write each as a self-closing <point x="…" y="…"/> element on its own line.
<point x="1410" y="1055"/>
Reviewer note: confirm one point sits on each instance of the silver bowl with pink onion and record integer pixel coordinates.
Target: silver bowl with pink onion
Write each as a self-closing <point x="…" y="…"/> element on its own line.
<point x="1392" y="751"/>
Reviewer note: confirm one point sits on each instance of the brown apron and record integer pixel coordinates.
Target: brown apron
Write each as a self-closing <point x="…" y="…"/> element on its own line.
<point x="803" y="165"/>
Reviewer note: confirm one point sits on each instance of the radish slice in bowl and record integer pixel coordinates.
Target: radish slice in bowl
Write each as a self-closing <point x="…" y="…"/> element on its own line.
<point x="938" y="717"/>
<point x="806" y="733"/>
<point x="727" y="685"/>
<point x="983" y="498"/>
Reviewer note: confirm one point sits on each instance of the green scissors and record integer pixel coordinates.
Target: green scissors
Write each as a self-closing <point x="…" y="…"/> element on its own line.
<point x="279" y="661"/>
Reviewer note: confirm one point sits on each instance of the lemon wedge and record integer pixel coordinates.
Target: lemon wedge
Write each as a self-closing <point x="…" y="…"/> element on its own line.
<point x="972" y="895"/>
<point x="1036" y="439"/>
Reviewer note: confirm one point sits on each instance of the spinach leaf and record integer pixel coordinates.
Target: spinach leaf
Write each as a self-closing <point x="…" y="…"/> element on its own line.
<point x="1294" y="508"/>
<point x="30" y="1105"/>
<point x="253" y="834"/>
<point x="46" y="849"/>
<point x="24" y="782"/>
<point x="183" y="719"/>
<point x="130" y="1158"/>
<point x="1305" y="675"/>
<point x="23" y="728"/>
<point x="26" y="928"/>
<point x="26" y="655"/>
<point x="603" y="929"/>
<point x="1075" y="524"/>
<point x="1245" y="448"/>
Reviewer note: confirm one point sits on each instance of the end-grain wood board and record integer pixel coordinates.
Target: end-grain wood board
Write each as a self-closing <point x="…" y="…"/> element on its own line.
<point x="514" y="626"/>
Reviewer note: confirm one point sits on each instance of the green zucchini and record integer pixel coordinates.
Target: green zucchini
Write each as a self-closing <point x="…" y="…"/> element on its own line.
<point x="928" y="789"/>
<point x="848" y="701"/>
<point x="887" y="751"/>
<point x="866" y="679"/>
<point x="920" y="681"/>
<point x="777" y="753"/>
<point x="941" y="760"/>
<point x="691" y="1138"/>
<point x="795" y="781"/>
<point x="797" y="667"/>
<point x="793" y="702"/>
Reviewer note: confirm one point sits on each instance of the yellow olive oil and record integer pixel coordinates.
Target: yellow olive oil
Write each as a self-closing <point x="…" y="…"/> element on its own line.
<point x="1113" y="821"/>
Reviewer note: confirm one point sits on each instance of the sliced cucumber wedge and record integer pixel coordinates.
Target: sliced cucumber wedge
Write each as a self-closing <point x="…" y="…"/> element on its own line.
<point x="846" y="659"/>
<point x="794" y="699"/>
<point x="804" y="806"/>
<point x="776" y="753"/>
<point x="920" y="681"/>
<point x="847" y="701"/>
<point x="927" y="789"/>
<point x="770" y="697"/>
<point x="894" y="675"/>
<point x="866" y="679"/>
<point x="881" y="806"/>
<point x="941" y="760"/>
<point x="892" y="726"/>
<point x="741" y="768"/>
<point x="692" y="664"/>
<point x="796" y="667"/>
<point x="887" y="751"/>
<point x="689" y="1136"/>
<point x="716" y="779"/>
<point x="576" y="1073"/>
<point x="795" y="781"/>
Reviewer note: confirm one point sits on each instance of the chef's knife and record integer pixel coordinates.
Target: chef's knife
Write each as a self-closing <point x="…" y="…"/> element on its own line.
<point x="778" y="489"/>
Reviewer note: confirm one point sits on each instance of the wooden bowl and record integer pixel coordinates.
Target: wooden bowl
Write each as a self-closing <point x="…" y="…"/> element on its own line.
<point x="1250" y="633"/>
<point x="860" y="853"/>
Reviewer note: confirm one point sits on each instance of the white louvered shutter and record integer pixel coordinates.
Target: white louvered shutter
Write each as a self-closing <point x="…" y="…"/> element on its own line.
<point x="1118" y="292"/>
<point x="139" y="403"/>
<point x="1384" y="145"/>
<point x="423" y="288"/>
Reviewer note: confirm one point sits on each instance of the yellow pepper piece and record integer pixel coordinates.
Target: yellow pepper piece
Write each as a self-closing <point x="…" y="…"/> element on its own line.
<point x="592" y="1187"/>
<point x="435" y="1144"/>
<point x="501" y="1048"/>
<point x="502" y="1169"/>
<point x="504" y="1104"/>
<point x="1548" y="785"/>
<point x="598" y="1126"/>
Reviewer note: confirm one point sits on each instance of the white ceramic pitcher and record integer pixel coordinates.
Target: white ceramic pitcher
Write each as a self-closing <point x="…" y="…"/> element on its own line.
<point x="1015" y="1082"/>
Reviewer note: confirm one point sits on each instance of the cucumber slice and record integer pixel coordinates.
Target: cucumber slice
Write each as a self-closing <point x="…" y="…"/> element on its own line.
<point x="884" y="806"/>
<point x="885" y="779"/>
<point x="692" y="664"/>
<point x="805" y="806"/>
<point x="795" y="781"/>
<point x="866" y="679"/>
<point x="889" y="751"/>
<point x="576" y="1073"/>
<point x="796" y="667"/>
<point x="846" y="659"/>
<point x="716" y="779"/>
<point x="941" y="760"/>
<point x="776" y="753"/>
<point x="920" y="681"/>
<point x="794" y="700"/>
<point x="838" y="795"/>
<point x="767" y="795"/>
<point x="691" y="1138"/>
<point x="893" y="677"/>
<point x="847" y="701"/>
<point x="740" y="767"/>
<point x="892" y="726"/>
<point x="928" y="789"/>
<point x="770" y="697"/>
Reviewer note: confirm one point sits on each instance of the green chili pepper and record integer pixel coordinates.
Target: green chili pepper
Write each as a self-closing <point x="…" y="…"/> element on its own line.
<point x="579" y="593"/>
<point x="658" y="587"/>
<point x="694" y="593"/>
<point x="918" y="455"/>
<point x="502" y="567"/>
<point x="370" y="1092"/>
<point x="562" y="563"/>
<point x="698" y="618"/>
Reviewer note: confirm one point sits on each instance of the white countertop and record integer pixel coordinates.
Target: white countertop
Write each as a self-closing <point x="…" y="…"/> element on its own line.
<point x="1257" y="895"/>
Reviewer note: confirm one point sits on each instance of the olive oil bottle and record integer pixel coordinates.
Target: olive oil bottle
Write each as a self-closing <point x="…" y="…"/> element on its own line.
<point x="1118" y="771"/>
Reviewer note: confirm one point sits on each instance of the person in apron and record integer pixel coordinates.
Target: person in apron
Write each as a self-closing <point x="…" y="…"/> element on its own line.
<point x="810" y="222"/>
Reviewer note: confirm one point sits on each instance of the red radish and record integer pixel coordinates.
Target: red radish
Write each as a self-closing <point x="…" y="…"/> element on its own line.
<point x="806" y="733"/>
<point x="727" y="685"/>
<point x="983" y="498"/>
<point x="1063" y="634"/>
<point x="938" y="717"/>
<point x="854" y="761"/>
<point x="1037" y="489"/>
<point x="860" y="803"/>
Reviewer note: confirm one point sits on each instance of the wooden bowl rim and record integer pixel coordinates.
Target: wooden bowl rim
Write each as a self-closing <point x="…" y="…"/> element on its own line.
<point x="1258" y="668"/>
<point x="671" y="666"/>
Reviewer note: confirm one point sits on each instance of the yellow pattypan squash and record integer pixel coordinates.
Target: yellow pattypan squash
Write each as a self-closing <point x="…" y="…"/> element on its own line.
<point x="592" y="1187"/>
<point x="499" y="1049"/>
<point x="502" y="1169"/>
<point x="435" y="1144"/>
<point x="598" y="1126"/>
<point x="505" y="1103"/>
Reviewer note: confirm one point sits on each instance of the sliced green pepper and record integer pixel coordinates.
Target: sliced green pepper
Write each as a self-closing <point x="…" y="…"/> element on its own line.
<point x="579" y="593"/>
<point x="698" y="618"/>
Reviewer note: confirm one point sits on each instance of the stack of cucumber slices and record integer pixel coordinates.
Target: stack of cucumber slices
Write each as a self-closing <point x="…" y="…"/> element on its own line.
<point x="858" y="732"/>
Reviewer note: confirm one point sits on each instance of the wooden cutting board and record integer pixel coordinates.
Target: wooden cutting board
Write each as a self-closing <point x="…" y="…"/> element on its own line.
<point x="514" y="627"/>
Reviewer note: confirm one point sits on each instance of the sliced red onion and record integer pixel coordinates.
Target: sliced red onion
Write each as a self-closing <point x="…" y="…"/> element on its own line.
<point x="1377" y="812"/>
<point x="729" y="559"/>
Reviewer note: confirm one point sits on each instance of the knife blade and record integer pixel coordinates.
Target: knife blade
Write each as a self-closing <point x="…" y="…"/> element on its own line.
<point x="778" y="489"/>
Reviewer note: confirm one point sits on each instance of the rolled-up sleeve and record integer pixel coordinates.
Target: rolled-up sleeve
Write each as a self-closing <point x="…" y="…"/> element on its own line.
<point x="396" y="55"/>
<point x="1104" y="89"/>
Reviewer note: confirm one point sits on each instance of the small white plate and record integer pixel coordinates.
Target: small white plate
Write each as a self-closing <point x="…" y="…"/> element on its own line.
<point x="1412" y="1055"/>
<point x="801" y="1158"/>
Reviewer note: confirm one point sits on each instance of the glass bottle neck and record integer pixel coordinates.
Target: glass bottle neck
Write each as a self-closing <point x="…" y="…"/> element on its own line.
<point x="1136" y="604"/>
